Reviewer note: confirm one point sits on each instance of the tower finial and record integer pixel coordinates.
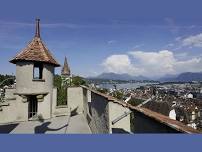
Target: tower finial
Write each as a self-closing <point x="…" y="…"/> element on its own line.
<point x="37" y="34"/>
<point x="65" y="60"/>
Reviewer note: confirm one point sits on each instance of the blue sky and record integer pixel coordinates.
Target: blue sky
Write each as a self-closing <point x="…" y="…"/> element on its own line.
<point x="139" y="37"/>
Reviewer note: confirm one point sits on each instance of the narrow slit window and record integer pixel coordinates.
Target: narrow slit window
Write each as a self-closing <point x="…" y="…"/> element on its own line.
<point x="38" y="71"/>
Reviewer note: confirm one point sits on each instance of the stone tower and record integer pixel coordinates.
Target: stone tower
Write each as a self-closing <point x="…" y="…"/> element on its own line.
<point x="34" y="77"/>
<point x="66" y="70"/>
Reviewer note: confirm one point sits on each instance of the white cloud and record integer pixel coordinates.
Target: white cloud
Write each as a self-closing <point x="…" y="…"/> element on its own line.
<point x="193" y="41"/>
<point x="155" y="63"/>
<point x="182" y="55"/>
<point x="119" y="64"/>
<point x="151" y="64"/>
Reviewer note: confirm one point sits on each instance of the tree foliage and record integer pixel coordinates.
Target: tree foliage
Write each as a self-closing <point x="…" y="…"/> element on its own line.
<point x="7" y="80"/>
<point x="135" y="101"/>
<point x="61" y="90"/>
<point x="62" y="83"/>
<point x="102" y="90"/>
<point x="77" y="81"/>
<point x="118" y="94"/>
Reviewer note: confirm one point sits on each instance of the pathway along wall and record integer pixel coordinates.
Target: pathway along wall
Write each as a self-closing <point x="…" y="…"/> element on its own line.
<point x="98" y="110"/>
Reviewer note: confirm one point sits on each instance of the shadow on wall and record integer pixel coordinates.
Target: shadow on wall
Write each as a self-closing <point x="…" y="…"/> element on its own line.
<point x="119" y="131"/>
<point x="5" y="129"/>
<point x="74" y="111"/>
<point x="41" y="129"/>
<point x="98" y="104"/>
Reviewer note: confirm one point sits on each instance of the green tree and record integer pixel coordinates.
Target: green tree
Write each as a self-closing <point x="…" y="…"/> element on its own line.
<point x="62" y="83"/>
<point x="6" y="80"/>
<point x="77" y="81"/>
<point x="118" y="94"/>
<point x="61" y="90"/>
<point x="135" y="101"/>
<point x="102" y="90"/>
<point x="57" y="81"/>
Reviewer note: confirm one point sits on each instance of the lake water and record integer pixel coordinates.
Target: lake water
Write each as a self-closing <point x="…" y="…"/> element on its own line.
<point x="124" y="85"/>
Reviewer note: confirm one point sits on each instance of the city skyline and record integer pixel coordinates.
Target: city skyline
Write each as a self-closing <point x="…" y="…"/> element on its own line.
<point x="122" y="39"/>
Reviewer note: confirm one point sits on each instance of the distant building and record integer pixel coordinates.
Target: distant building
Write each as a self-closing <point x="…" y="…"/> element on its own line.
<point x="189" y="96"/>
<point x="66" y="74"/>
<point x="172" y="114"/>
<point x="66" y="69"/>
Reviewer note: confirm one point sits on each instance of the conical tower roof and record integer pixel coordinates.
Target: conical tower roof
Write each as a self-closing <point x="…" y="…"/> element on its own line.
<point x="65" y="70"/>
<point x="36" y="51"/>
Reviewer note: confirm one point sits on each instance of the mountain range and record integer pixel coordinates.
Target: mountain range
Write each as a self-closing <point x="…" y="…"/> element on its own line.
<point x="115" y="76"/>
<point x="183" y="77"/>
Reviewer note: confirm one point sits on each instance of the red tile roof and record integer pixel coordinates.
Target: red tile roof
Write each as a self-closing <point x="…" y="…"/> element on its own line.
<point x="36" y="51"/>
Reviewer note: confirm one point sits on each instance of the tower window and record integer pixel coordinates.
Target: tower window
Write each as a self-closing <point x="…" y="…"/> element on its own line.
<point x="38" y="71"/>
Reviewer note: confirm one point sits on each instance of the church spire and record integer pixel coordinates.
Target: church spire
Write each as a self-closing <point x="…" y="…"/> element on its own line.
<point x="65" y="63"/>
<point x="37" y="33"/>
<point x="65" y="70"/>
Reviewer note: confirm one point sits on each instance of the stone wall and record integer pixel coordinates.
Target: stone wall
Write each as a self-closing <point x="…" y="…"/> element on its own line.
<point x="13" y="109"/>
<point x="25" y="82"/>
<point x="75" y="99"/>
<point x="144" y="120"/>
<point x="58" y="110"/>
<point x="116" y="111"/>
<point x="9" y="94"/>
<point x="44" y="107"/>
<point x="143" y="124"/>
<point x="99" y="122"/>
<point x="100" y="112"/>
